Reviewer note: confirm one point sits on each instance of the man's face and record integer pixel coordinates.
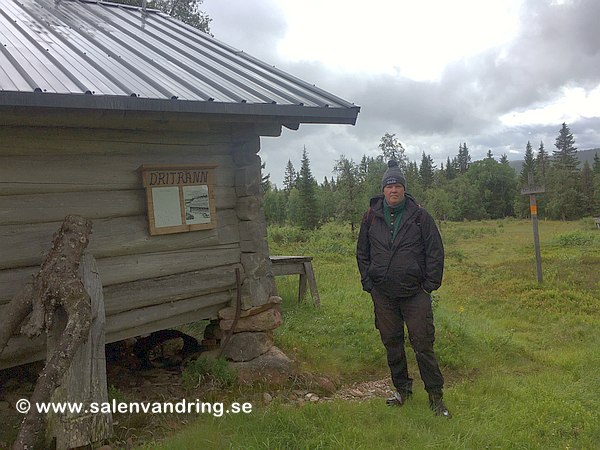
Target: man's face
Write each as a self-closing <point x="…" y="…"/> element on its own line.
<point x="393" y="193"/>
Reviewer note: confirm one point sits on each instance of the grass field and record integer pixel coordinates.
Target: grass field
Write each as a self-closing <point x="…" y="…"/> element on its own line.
<point x="521" y="360"/>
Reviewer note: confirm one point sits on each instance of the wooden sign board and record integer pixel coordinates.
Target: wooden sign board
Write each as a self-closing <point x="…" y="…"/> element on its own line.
<point x="179" y="198"/>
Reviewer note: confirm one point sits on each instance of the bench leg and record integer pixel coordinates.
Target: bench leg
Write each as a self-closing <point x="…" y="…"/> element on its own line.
<point x="312" y="283"/>
<point x="302" y="288"/>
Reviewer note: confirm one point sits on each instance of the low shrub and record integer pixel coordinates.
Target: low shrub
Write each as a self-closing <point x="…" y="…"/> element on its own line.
<point x="204" y="370"/>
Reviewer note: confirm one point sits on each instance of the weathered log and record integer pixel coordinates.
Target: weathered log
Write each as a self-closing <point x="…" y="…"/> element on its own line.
<point x="85" y="380"/>
<point x="168" y="289"/>
<point x="94" y="172"/>
<point x="129" y="268"/>
<point x="56" y="285"/>
<point x="22" y="245"/>
<point x="27" y="209"/>
<point x="15" y="313"/>
<point x="21" y="350"/>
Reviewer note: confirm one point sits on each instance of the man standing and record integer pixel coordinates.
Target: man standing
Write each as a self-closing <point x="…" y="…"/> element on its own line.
<point x="400" y="256"/>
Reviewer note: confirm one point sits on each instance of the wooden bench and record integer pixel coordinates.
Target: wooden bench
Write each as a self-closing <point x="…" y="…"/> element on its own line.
<point x="298" y="265"/>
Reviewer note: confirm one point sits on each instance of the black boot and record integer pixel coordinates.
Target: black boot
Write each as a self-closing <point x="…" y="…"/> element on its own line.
<point x="399" y="398"/>
<point x="436" y="403"/>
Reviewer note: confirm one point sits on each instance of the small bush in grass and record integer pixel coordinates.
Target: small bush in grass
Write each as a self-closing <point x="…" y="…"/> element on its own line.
<point x="575" y="239"/>
<point x="204" y="370"/>
<point x="287" y="234"/>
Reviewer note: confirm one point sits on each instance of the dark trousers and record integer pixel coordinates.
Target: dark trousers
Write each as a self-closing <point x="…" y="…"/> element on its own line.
<point x="391" y="313"/>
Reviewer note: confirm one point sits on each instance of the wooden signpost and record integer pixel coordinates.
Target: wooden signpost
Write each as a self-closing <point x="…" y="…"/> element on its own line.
<point x="531" y="189"/>
<point x="179" y="198"/>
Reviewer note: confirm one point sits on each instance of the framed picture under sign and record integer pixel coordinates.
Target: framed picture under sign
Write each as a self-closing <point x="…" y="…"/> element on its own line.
<point x="179" y="198"/>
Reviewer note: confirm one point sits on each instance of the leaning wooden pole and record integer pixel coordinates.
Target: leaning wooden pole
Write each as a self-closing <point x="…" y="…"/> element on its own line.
<point x="56" y="285"/>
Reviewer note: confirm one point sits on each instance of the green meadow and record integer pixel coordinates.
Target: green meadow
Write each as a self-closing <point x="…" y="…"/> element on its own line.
<point x="521" y="359"/>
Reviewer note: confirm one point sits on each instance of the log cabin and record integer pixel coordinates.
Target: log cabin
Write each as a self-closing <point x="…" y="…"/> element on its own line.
<point x="96" y="97"/>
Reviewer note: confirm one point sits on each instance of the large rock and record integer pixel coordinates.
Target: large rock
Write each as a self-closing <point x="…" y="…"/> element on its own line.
<point x="247" y="345"/>
<point x="273" y="367"/>
<point x="263" y="321"/>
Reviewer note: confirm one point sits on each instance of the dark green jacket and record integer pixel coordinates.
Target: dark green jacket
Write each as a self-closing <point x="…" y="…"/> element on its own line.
<point x="414" y="261"/>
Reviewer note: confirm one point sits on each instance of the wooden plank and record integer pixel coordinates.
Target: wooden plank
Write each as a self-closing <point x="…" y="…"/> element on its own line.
<point x="204" y="313"/>
<point x="150" y="265"/>
<point x="12" y="280"/>
<point x="312" y="282"/>
<point x="159" y="317"/>
<point x="288" y="268"/>
<point x="124" y="269"/>
<point x="21" y="350"/>
<point x="72" y="140"/>
<point x="168" y="122"/>
<point x="24" y="245"/>
<point x="284" y="259"/>
<point x="85" y="380"/>
<point x="39" y="208"/>
<point x="95" y="172"/>
<point x="301" y="287"/>
<point x="143" y="293"/>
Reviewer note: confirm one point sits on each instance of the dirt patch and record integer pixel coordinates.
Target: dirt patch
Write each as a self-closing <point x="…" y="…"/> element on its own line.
<point x="143" y="376"/>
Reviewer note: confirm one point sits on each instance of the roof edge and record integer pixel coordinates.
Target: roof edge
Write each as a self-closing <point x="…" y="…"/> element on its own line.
<point x="295" y="113"/>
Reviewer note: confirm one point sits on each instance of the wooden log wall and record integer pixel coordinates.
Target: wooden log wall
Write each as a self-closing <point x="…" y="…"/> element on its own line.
<point x="150" y="282"/>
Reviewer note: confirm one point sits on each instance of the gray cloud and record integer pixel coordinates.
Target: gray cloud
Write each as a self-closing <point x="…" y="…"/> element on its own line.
<point x="557" y="46"/>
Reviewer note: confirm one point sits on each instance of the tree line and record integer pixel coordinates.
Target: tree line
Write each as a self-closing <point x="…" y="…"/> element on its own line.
<point x="459" y="189"/>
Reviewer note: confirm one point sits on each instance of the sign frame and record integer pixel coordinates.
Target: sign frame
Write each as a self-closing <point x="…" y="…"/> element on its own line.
<point x="179" y="197"/>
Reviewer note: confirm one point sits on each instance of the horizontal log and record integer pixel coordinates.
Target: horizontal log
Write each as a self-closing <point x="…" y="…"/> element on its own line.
<point x="22" y="350"/>
<point x="24" y="245"/>
<point x="124" y="269"/>
<point x="166" y="315"/>
<point x="204" y="313"/>
<point x="39" y="208"/>
<point x="72" y="140"/>
<point x="12" y="280"/>
<point x="143" y="293"/>
<point x="109" y="135"/>
<point x="95" y="172"/>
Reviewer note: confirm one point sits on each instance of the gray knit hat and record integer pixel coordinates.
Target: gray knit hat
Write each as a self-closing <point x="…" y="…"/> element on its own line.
<point x="393" y="175"/>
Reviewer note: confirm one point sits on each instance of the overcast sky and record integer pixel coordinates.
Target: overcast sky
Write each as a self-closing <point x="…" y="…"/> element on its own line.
<point x="491" y="73"/>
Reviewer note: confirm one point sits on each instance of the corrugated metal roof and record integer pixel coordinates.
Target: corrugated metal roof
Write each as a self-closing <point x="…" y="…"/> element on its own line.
<point x="93" y="54"/>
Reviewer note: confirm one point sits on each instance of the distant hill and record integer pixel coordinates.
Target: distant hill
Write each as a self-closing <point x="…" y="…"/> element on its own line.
<point x="582" y="155"/>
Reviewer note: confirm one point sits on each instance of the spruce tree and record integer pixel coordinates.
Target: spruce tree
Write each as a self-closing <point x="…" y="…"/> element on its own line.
<point x="308" y="214"/>
<point x="290" y="178"/>
<point x="451" y="170"/>
<point x="464" y="158"/>
<point x="565" y="155"/>
<point x="542" y="163"/>
<point x="564" y="194"/>
<point x="528" y="166"/>
<point x="426" y="171"/>
<point x="349" y="191"/>
<point x="522" y="201"/>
